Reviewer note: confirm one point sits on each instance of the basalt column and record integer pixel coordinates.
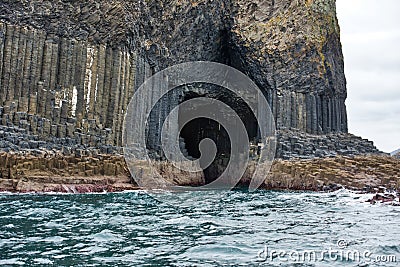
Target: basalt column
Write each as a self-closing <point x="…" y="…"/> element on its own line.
<point x="72" y="87"/>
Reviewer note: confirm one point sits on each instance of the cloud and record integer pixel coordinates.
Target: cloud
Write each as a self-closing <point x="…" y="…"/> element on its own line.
<point x="370" y="35"/>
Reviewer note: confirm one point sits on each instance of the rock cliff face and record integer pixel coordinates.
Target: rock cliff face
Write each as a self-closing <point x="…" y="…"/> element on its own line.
<point x="292" y="50"/>
<point x="69" y="68"/>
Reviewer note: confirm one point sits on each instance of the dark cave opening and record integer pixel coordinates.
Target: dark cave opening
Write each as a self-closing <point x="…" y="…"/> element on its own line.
<point x="193" y="132"/>
<point x="198" y="129"/>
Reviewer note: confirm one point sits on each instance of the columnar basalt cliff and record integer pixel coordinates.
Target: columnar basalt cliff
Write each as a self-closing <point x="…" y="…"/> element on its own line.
<point x="68" y="69"/>
<point x="292" y="49"/>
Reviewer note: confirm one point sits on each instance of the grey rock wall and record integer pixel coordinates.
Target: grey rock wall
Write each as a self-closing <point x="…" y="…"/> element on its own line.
<point x="300" y="145"/>
<point x="59" y="87"/>
<point x="69" y="68"/>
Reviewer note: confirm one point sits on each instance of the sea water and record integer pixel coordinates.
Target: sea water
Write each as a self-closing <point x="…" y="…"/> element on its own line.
<point x="238" y="228"/>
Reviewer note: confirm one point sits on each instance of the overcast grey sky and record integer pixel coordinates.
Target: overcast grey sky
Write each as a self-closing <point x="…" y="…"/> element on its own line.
<point x="370" y="34"/>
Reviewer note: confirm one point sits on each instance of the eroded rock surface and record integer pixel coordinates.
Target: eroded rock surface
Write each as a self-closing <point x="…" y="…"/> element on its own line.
<point x="50" y="172"/>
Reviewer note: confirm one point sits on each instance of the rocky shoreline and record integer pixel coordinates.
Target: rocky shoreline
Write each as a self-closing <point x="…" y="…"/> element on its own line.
<point x="49" y="171"/>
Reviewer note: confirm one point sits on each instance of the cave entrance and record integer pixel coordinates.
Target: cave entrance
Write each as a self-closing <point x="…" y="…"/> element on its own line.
<point x="198" y="129"/>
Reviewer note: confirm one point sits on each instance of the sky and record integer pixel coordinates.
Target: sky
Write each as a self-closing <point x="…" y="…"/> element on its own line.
<point x="370" y="35"/>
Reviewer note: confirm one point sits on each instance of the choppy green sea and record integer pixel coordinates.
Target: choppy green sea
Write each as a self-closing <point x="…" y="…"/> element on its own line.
<point x="235" y="229"/>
